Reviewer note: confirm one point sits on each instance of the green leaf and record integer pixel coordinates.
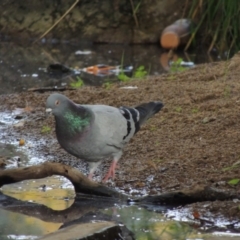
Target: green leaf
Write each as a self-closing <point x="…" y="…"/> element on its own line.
<point x="177" y="67"/>
<point x="78" y="84"/>
<point x="140" y="72"/>
<point x="107" y="85"/>
<point x="234" y="181"/>
<point x="123" y="77"/>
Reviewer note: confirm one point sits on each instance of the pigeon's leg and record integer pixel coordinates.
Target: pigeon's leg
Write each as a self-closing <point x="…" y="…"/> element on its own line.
<point x="92" y="166"/>
<point x="111" y="171"/>
<point x="90" y="176"/>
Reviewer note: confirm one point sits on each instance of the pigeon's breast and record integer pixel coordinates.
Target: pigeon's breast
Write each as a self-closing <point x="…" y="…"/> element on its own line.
<point x="87" y="148"/>
<point x="80" y="146"/>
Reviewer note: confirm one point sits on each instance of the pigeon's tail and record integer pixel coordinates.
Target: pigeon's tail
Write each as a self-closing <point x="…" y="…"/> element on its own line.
<point x="147" y="110"/>
<point x="137" y="116"/>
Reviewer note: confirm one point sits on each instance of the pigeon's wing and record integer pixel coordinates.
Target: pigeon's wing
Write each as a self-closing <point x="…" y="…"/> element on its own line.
<point x="114" y="127"/>
<point x="140" y="114"/>
<point x="111" y="125"/>
<point x="120" y="124"/>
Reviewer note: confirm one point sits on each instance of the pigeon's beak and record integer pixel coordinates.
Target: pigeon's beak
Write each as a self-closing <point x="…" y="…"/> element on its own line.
<point x="48" y="110"/>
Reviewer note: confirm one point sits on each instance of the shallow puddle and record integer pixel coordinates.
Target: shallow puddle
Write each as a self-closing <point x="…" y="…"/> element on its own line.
<point x="54" y="192"/>
<point x="18" y="226"/>
<point x="152" y="225"/>
<point x="140" y="222"/>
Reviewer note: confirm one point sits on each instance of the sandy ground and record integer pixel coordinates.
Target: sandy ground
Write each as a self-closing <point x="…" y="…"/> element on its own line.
<point x="194" y="140"/>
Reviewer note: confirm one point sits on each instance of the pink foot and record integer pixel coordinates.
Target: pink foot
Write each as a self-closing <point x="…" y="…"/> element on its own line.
<point x="90" y="176"/>
<point x="111" y="171"/>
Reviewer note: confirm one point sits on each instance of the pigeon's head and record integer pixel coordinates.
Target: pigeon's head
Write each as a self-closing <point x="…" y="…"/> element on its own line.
<point x="57" y="103"/>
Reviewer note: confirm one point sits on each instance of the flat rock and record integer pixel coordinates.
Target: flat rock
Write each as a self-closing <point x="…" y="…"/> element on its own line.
<point x="85" y="231"/>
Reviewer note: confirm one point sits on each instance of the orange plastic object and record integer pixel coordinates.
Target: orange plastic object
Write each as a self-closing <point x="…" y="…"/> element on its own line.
<point x="100" y="69"/>
<point x="176" y="34"/>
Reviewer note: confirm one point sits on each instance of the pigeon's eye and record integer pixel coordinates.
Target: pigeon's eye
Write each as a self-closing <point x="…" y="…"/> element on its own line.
<point x="57" y="102"/>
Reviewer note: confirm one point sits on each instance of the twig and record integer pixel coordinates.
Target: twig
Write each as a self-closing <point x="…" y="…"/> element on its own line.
<point x="185" y="8"/>
<point x="54" y="25"/>
<point x="47" y="89"/>
<point x="134" y="14"/>
<point x="80" y="182"/>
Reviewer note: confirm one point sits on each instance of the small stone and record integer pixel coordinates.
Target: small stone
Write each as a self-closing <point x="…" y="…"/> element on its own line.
<point x="208" y="119"/>
<point x="19" y="124"/>
<point x="163" y="169"/>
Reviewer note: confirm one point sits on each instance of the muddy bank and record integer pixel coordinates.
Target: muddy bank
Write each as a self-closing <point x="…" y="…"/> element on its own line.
<point x="96" y="21"/>
<point x="194" y="140"/>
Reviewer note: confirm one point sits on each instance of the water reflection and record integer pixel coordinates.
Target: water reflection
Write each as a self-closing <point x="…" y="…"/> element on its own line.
<point x="57" y="194"/>
<point x="142" y="223"/>
<point x="18" y="226"/>
<point x="48" y="191"/>
<point x="30" y="219"/>
<point x="151" y="225"/>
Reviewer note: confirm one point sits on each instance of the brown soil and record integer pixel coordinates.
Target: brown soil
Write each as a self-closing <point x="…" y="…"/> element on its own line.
<point x="194" y="139"/>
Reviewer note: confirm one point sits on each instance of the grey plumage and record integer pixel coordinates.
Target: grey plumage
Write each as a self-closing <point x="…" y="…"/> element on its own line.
<point x="96" y="132"/>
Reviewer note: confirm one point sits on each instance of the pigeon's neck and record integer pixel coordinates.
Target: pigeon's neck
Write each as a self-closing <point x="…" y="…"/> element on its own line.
<point x="73" y="123"/>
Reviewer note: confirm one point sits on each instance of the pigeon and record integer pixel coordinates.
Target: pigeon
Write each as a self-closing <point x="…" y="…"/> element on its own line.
<point x="97" y="132"/>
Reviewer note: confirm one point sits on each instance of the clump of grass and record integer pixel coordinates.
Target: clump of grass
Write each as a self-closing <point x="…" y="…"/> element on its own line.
<point x="107" y="85"/>
<point x="234" y="166"/>
<point x="176" y="66"/>
<point x="218" y="21"/>
<point x="77" y="84"/>
<point x="46" y="129"/>
<point x="171" y="77"/>
<point x="227" y="91"/>
<point x="153" y="128"/>
<point x="139" y="73"/>
<point x="195" y="110"/>
<point x="178" y="109"/>
<point x="123" y="77"/>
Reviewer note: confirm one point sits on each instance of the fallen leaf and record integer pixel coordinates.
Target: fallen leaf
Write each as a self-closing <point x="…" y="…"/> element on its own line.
<point x="19" y="124"/>
<point x="28" y="109"/>
<point x="234" y="181"/>
<point x="21" y="142"/>
<point x="196" y="214"/>
<point x="18" y="111"/>
<point x="152" y="164"/>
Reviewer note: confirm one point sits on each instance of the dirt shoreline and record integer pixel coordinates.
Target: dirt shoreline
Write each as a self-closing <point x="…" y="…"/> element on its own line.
<point x="193" y="140"/>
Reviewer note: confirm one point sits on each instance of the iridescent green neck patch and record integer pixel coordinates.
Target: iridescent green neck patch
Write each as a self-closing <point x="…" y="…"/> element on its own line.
<point x="75" y="123"/>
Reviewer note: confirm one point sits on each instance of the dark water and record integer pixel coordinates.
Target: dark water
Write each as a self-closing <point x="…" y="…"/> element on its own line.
<point x="24" y="66"/>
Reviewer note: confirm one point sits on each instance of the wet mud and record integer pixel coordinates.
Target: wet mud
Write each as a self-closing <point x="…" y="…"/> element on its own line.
<point x="193" y="140"/>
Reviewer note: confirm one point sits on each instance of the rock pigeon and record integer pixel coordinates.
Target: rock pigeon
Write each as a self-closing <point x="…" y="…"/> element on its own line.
<point x="97" y="132"/>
